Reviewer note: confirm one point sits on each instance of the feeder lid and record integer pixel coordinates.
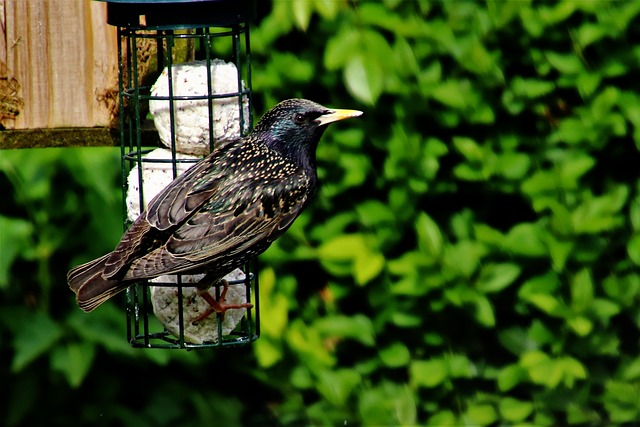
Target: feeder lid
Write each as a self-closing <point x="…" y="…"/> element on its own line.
<point x="178" y="14"/>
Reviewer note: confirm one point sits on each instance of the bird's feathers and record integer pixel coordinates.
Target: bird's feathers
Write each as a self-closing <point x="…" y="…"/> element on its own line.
<point x="220" y="213"/>
<point x="101" y="289"/>
<point x="215" y="211"/>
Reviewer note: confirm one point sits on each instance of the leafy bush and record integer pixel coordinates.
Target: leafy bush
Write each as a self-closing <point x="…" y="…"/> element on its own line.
<point x="471" y="259"/>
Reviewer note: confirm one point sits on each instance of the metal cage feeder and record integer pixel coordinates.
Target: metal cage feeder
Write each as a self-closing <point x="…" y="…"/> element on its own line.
<point x="200" y="50"/>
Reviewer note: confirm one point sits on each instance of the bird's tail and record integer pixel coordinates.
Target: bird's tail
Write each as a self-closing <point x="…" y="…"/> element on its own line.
<point x="90" y="287"/>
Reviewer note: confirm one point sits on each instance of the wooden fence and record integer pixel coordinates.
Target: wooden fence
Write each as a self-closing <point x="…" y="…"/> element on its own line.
<point x="58" y="73"/>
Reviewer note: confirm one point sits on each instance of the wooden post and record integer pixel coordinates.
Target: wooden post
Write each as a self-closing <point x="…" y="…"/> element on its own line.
<point x="58" y="69"/>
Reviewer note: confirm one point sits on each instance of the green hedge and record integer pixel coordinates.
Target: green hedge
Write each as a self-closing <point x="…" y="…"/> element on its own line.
<point x="472" y="257"/>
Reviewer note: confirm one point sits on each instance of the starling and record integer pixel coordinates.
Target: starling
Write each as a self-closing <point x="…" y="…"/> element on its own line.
<point x="222" y="212"/>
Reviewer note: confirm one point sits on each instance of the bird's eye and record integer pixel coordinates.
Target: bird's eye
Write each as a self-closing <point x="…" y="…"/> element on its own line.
<point x="298" y="118"/>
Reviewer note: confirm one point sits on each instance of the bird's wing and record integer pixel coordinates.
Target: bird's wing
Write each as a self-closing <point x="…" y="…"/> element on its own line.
<point x="238" y="224"/>
<point x="167" y="210"/>
<point x="186" y="194"/>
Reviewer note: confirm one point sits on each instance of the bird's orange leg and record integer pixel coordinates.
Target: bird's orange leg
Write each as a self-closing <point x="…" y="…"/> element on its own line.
<point x="218" y="306"/>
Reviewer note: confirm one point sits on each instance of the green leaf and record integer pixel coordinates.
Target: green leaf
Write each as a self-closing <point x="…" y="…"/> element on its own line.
<point x="631" y="371"/>
<point x="340" y="48"/>
<point x="301" y="377"/>
<point x="363" y="76"/>
<point x="565" y="63"/>
<point x="539" y="183"/>
<point x="343" y="247"/>
<point x="541" y="369"/>
<point x="15" y="239"/>
<point x="484" y="311"/>
<point x="407" y="263"/>
<point x="559" y="251"/>
<point x="468" y="148"/>
<point x="459" y="366"/>
<point x="581" y="325"/>
<point x="292" y="67"/>
<point x="433" y="339"/>
<point x="476" y="58"/>
<point x="461" y="224"/>
<point x="308" y="343"/>
<point x="540" y="334"/>
<point x="558" y="12"/>
<point x="367" y="266"/>
<point x="546" y="283"/>
<point x="405" y="58"/>
<point x="404" y="404"/>
<point x="337" y="385"/>
<point x="515" y="410"/>
<point x="468" y="172"/>
<point x="514" y="165"/>
<point x="532" y="21"/>
<point x="550" y="372"/>
<point x="357" y="327"/>
<point x="104" y="327"/>
<point x="379" y="15"/>
<point x="496" y="277"/>
<point x="328" y="9"/>
<point x="267" y="352"/>
<point x="35" y="335"/>
<point x="622" y="289"/>
<point x="587" y="83"/>
<point x="573" y="370"/>
<point x="621" y="401"/>
<point x="453" y="93"/>
<point x="302" y="11"/>
<point x="429" y="235"/>
<point x="581" y="291"/>
<point x="406" y="320"/>
<point x="510" y="376"/>
<point x="443" y="418"/>
<point x="602" y="105"/>
<point x="488" y="235"/>
<point x="524" y="239"/>
<point x="374" y="212"/>
<point x="588" y="33"/>
<point x="516" y="340"/>
<point x="547" y="303"/>
<point x="531" y="88"/>
<point x="633" y="248"/>
<point x="388" y="404"/>
<point x="428" y="373"/>
<point x="463" y="257"/>
<point x="604" y="309"/>
<point x="574" y="168"/>
<point x="579" y="415"/>
<point x="395" y="355"/>
<point x="600" y="213"/>
<point x="74" y="361"/>
<point x="570" y="131"/>
<point x="429" y="77"/>
<point x="278" y="302"/>
<point x="504" y="13"/>
<point x="480" y="414"/>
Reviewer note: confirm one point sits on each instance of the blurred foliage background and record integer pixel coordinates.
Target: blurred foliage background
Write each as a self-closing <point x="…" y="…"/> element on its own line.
<point x="471" y="259"/>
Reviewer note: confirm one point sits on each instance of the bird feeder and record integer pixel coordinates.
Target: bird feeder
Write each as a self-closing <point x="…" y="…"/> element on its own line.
<point x="184" y="85"/>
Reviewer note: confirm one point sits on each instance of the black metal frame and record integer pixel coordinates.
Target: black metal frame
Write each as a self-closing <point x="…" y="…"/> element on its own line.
<point x="168" y="24"/>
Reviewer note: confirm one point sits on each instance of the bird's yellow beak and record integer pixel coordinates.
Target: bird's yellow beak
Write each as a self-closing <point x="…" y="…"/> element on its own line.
<point x="335" y="115"/>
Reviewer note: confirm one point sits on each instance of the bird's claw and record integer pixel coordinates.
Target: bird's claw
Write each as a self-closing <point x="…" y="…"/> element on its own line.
<point x="218" y="306"/>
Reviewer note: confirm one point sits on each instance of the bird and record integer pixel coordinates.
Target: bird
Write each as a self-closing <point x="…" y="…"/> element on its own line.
<point x="222" y="212"/>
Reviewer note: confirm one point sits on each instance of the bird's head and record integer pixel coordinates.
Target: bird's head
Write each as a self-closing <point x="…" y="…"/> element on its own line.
<point x="294" y="127"/>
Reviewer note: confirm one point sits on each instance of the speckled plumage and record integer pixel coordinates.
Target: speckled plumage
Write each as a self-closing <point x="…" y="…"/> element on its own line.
<point x="222" y="212"/>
